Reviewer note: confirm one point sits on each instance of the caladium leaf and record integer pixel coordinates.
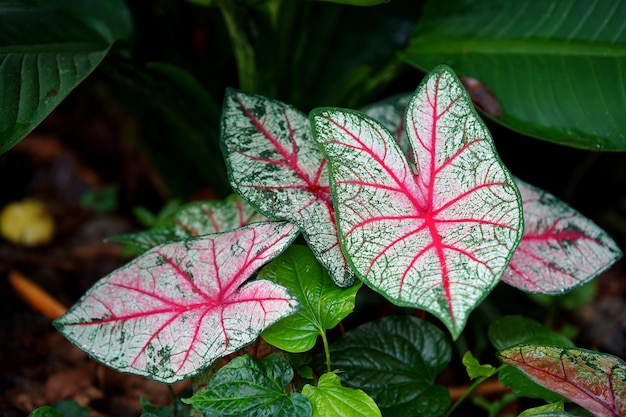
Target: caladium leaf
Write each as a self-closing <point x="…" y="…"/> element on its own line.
<point x="249" y="387"/>
<point x="595" y="381"/>
<point x="437" y="234"/>
<point x="560" y="250"/>
<point x="396" y="360"/>
<point x="195" y="219"/>
<point x="323" y="304"/>
<point x="275" y="165"/>
<point x="329" y="398"/>
<point x="175" y="309"/>
<point x="390" y="113"/>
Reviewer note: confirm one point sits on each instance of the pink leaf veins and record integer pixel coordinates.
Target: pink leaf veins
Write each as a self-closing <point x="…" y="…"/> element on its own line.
<point x="275" y="165"/>
<point x="436" y="234"/>
<point x="178" y="307"/>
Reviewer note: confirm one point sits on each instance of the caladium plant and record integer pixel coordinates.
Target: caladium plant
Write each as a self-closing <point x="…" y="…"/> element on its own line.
<point x="410" y="197"/>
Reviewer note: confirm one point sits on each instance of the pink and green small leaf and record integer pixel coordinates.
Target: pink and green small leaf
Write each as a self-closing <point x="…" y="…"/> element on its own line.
<point x="436" y="234"/>
<point x="274" y="164"/>
<point x="249" y="387"/>
<point x="560" y="250"/>
<point x="323" y="304"/>
<point x="330" y="398"/>
<point x="172" y="311"/>
<point x="195" y="219"/>
<point x="595" y="381"/>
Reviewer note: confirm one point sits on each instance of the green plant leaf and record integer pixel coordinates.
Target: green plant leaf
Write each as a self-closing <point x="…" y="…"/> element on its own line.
<point x="395" y="360"/>
<point x="329" y="398"/>
<point x="45" y="411"/>
<point x="195" y="219"/>
<point x="545" y="410"/>
<point x="510" y="331"/>
<point x="436" y="233"/>
<point x="322" y="304"/>
<point x="595" y="381"/>
<point x="474" y="368"/>
<point x="47" y="49"/>
<point x="254" y="388"/>
<point x="273" y="164"/>
<point x="555" y="67"/>
<point x="359" y="2"/>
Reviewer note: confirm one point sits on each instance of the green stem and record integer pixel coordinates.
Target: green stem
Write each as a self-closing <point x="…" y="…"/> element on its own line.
<point x="470" y="389"/>
<point x="326" y="349"/>
<point x="242" y="47"/>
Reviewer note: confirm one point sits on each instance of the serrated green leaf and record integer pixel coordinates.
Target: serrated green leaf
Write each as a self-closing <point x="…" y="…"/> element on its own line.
<point x="396" y="360"/>
<point x="595" y="381"/>
<point x="514" y="330"/>
<point x="554" y="67"/>
<point x="246" y="387"/>
<point x="474" y="368"/>
<point x="329" y="398"/>
<point x="195" y="219"/>
<point x="46" y="50"/>
<point x="322" y="304"/>
<point x="435" y="231"/>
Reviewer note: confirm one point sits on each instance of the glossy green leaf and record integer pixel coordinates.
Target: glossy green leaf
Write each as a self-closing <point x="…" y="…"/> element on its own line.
<point x="246" y="387"/>
<point x="46" y="411"/>
<point x="47" y="48"/>
<point x="595" y="381"/>
<point x="555" y="67"/>
<point x="322" y="304"/>
<point x="474" y="368"/>
<point x="514" y="330"/>
<point x="195" y="219"/>
<point x="555" y="409"/>
<point x="396" y="360"/>
<point x="435" y="231"/>
<point x="329" y="398"/>
<point x="274" y="164"/>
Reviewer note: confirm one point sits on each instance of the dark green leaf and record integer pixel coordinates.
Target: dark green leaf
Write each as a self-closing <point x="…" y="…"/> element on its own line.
<point x="555" y="68"/>
<point x="254" y="388"/>
<point x="46" y="50"/>
<point x="329" y="398"/>
<point x="323" y="304"/>
<point x="396" y="360"/>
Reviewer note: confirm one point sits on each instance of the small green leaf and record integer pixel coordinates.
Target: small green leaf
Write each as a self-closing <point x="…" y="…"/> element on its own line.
<point x="513" y="330"/>
<point x="396" y="360"/>
<point x="474" y="368"/>
<point x="248" y="387"/>
<point x="329" y="398"/>
<point x="46" y="411"/>
<point x="323" y="304"/>
<point x="544" y="410"/>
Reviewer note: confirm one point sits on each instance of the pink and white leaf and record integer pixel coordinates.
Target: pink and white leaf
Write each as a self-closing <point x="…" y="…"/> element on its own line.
<point x="560" y="249"/>
<point x="175" y="309"/>
<point x="437" y="234"/>
<point x="595" y="381"/>
<point x="275" y="165"/>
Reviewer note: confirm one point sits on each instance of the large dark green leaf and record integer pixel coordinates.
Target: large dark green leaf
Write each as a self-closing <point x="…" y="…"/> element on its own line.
<point x="46" y="50"/>
<point x="395" y="360"/>
<point x="555" y="66"/>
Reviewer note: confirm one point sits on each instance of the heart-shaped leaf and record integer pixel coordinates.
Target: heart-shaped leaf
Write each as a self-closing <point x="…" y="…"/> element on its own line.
<point x="195" y="219"/>
<point x="322" y="304"/>
<point x="595" y="381"/>
<point x="560" y="249"/>
<point x="47" y="49"/>
<point x="435" y="235"/>
<point x="274" y="164"/>
<point x="555" y="67"/>
<point x="474" y="368"/>
<point x="396" y="360"/>
<point x="329" y="398"/>
<point x="249" y="387"/>
<point x="172" y="311"/>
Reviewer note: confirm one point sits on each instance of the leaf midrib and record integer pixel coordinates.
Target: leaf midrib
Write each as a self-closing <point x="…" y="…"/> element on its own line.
<point x="519" y="46"/>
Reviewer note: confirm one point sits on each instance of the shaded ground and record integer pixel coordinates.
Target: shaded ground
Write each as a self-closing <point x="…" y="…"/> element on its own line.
<point x="90" y="180"/>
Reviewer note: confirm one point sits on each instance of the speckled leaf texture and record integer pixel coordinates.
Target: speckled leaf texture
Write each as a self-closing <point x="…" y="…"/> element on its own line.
<point x="195" y="219"/>
<point x="595" y="381"/>
<point x="560" y="250"/>
<point x="174" y="310"/>
<point x="437" y="234"/>
<point x="275" y="165"/>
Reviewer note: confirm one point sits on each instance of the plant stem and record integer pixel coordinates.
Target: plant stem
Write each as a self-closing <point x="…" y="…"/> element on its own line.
<point x="326" y="349"/>
<point x="470" y="389"/>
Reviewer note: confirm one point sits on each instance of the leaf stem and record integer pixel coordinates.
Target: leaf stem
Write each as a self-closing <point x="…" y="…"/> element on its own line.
<point x="470" y="389"/>
<point x="326" y="349"/>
